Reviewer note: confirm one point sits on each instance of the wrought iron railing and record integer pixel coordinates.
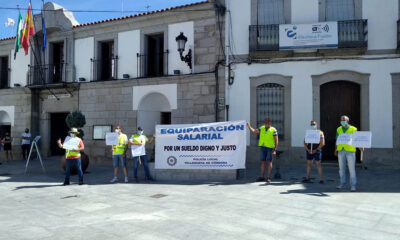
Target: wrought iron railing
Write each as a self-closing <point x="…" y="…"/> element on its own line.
<point x="104" y="69"/>
<point x="351" y="34"/>
<point x="46" y="74"/>
<point x="4" y="80"/>
<point x="398" y="33"/>
<point x="154" y="65"/>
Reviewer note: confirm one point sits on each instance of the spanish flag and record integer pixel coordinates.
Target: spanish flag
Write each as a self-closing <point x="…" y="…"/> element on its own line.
<point x="28" y="30"/>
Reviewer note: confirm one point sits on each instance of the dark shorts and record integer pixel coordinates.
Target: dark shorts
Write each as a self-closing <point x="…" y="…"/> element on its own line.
<point x="266" y="154"/>
<point x="7" y="146"/>
<point x="316" y="156"/>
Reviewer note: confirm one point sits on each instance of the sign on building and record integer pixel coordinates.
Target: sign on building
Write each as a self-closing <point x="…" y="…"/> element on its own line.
<point x="317" y="35"/>
<point x="220" y="145"/>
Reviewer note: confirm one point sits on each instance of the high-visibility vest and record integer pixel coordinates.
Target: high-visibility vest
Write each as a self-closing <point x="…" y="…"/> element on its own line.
<point x="267" y="137"/>
<point x="120" y="149"/>
<point x="69" y="153"/>
<point x="346" y="147"/>
<point x="139" y="138"/>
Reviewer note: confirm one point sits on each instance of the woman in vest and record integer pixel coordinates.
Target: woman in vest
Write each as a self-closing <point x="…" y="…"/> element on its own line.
<point x="268" y="143"/>
<point x="140" y="139"/>
<point x="346" y="154"/>
<point x="119" y="154"/>
<point x="73" y="156"/>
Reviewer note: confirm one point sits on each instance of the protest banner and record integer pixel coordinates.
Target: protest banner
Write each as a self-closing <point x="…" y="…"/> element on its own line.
<point x="362" y="139"/>
<point x="71" y="143"/>
<point x="138" y="150"/>
<point x="112" y="139"/>
<point x="220" y="145"/>
<point x="344" y="138"/>
<point x="312" y="136"/>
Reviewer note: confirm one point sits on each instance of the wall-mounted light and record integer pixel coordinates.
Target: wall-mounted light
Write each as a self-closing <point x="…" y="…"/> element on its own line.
<point x="17" y="85"/>
<point x="181" y="41"/>
<point x="126" y="76"/>
<point x="81" y="79"/>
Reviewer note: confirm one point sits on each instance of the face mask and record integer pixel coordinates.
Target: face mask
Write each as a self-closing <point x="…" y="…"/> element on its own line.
<point x="140" y="132"/>
<point x="116" y="130"/>
<point x="72" y="135"/>
<point x="313" y="126"/>
<point x="344" y="123"/>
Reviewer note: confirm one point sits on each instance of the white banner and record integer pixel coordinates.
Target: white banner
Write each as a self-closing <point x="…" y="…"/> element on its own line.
<point x="344" y="138"/>
<point x="137" y="150"/>
<point x="220" y="145"/>
<point x="362" y="139"/>
<point x="112" y="139"/>
<point x="313" y="136"/>
<point x="318" y="35"/>
<point x="71" y="143"/>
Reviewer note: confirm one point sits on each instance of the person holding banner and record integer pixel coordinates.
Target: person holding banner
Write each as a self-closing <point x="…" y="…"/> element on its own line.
<point x="140" y="139"/>
<point x="268" y="143"/>
<point x="119" y="154"/>
<point x="72" y="154"/>
<point x="346" y="153"/>
<point x="314" y="152"/>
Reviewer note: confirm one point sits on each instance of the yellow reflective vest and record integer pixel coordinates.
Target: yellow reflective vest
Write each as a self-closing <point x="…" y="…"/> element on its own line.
<point x="71" y="154"/>
<point x="120" y="149"/>
<point x="267" y="137"/>
<point x="346" y="147"/>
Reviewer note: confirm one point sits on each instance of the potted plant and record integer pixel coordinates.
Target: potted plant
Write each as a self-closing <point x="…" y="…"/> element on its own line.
<point x="77" y="120"/>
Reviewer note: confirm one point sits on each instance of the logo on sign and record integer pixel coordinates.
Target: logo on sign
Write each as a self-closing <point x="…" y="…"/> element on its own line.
<point x="291" y="32"/>
<point x="326" y="28"/>
<point x="171" y="161"/>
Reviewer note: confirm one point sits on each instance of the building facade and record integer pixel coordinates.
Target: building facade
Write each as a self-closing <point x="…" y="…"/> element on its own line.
<point x="359" y="77"/>
<point x="125" y="71"/>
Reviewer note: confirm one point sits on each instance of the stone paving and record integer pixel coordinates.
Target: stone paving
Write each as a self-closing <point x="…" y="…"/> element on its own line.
<point x="36" y="206"/>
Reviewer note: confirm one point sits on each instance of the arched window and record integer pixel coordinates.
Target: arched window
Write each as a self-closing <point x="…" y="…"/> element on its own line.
<point x="271" y="104"/>
<point x="337" y="10"/>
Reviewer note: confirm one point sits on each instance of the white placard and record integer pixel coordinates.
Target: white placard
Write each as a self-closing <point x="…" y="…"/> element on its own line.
<point x="112" y="139"/>
<point x="138" y="150"/>
<point x="71" y="143"/>
<point x="317" y="35"/>
<point x="313" y="136"/>
<point x="220" y="145"/>
<point x="362" y="139"/>
<point x="344" y="138"/>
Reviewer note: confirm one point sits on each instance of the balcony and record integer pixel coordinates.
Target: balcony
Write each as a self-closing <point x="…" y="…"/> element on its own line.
<point x="104" y="69"/>
<point x="152" y="65"/>
<point x="41" y="75"/>
<point x="351" y="34"/>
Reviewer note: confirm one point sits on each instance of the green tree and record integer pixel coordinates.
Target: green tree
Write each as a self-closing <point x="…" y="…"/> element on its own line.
<point x="77" y="120"/>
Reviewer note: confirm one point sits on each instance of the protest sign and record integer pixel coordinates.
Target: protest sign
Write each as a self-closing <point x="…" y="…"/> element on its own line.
<point x="112" y="139"/>
<point x="71" y="143"/>
<point x="362" y="139"/>
<point x="312" y="136"/>
<point x="138" y="150"/>
<point x="344" y="138"/>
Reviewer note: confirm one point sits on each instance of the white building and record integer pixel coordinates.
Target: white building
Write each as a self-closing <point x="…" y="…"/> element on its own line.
<point x="358" y="77"/>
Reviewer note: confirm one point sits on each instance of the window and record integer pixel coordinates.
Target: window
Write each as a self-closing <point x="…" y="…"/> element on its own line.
<point x="106" y="61"/>
<point x="270" y="104"/>
<point x="270" y="12"/>
<point x="165" y="118"/>
<point x="337" y="10"/>
<point x="4" y="72"/>
<point x="57" y="66"/>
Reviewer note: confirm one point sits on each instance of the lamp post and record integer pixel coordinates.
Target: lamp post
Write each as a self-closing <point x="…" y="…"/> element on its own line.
<point x="181" y="41"/>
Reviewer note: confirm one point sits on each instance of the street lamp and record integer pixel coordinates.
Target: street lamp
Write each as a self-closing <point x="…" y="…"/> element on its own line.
<point x="181" y="41"/>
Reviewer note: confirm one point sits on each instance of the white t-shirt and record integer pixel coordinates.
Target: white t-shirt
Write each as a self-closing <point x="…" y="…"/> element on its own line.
<point x="24" y="141"/>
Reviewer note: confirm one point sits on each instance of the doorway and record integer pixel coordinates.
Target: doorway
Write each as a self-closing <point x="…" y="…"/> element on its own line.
<point x="4" y="129"/>
<point x="4" y="72"/>
<point x="155" y="55"/>
<point x="58" y="62"/>
<point x="58" y="129"/>
<point x="338" y="98"/>
<point x="106" y="60"/>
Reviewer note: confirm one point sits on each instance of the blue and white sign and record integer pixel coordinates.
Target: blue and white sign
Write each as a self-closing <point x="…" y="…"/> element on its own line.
<point x="318" y="35"/>
<point x="220" y="145"/>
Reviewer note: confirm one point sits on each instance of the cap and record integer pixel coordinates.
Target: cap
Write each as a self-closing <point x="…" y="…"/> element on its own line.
<point x="74" y="130"/>
<point x="140" y="128"/>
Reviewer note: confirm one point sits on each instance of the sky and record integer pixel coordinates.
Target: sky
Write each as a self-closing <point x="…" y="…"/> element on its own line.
<point x="84" y="17"/>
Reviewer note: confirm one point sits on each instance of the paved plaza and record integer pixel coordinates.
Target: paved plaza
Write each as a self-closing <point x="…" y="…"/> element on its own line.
<point x="36" y="206"/>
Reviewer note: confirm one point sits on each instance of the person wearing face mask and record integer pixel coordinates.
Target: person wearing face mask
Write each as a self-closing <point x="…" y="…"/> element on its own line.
<point x="314" y="152"/>
<point x="268" y="144"/>
<point x="73" y="157"/>
<point x="26" y="143"/>
<point x="346" y="155"/>
<point x="119" y="154"/>
<point x="140" y="139"/>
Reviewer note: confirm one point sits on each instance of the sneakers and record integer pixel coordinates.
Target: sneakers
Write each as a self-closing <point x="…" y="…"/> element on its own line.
<point x="80" y="183"/>
<point x="126" y="179"/>
<point x="268" y="180"/>
<point x="306" y="180"/>
<point x="115" y="179"/>
<point x="260" y="179"/>
<point x="149" y="179"/>
<point x="66" y="183"/>
<point x="340" y="186"/>
<point x="353" y="189"/>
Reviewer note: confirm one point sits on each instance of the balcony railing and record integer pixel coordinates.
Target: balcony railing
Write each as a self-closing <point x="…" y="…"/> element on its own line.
<point x="351" y="34"/>
<point x="46" y="74"/>
<point x="398" y="33"/>
<point x="153" y="65"/>
<point x="104" y="69"/>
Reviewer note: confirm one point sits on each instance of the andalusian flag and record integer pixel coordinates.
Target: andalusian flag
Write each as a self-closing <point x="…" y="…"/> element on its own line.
<point x="28" y="30"/>
<point x="20" y="25"/>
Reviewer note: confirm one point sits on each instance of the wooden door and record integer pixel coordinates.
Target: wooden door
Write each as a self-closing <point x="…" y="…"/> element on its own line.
<point x="336" y="99"/>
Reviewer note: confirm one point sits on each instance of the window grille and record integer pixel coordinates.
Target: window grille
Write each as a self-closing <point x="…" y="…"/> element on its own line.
<point x="271" y="104"/>
<point x="336" y="10"/>
<point x="270" y="12"/>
